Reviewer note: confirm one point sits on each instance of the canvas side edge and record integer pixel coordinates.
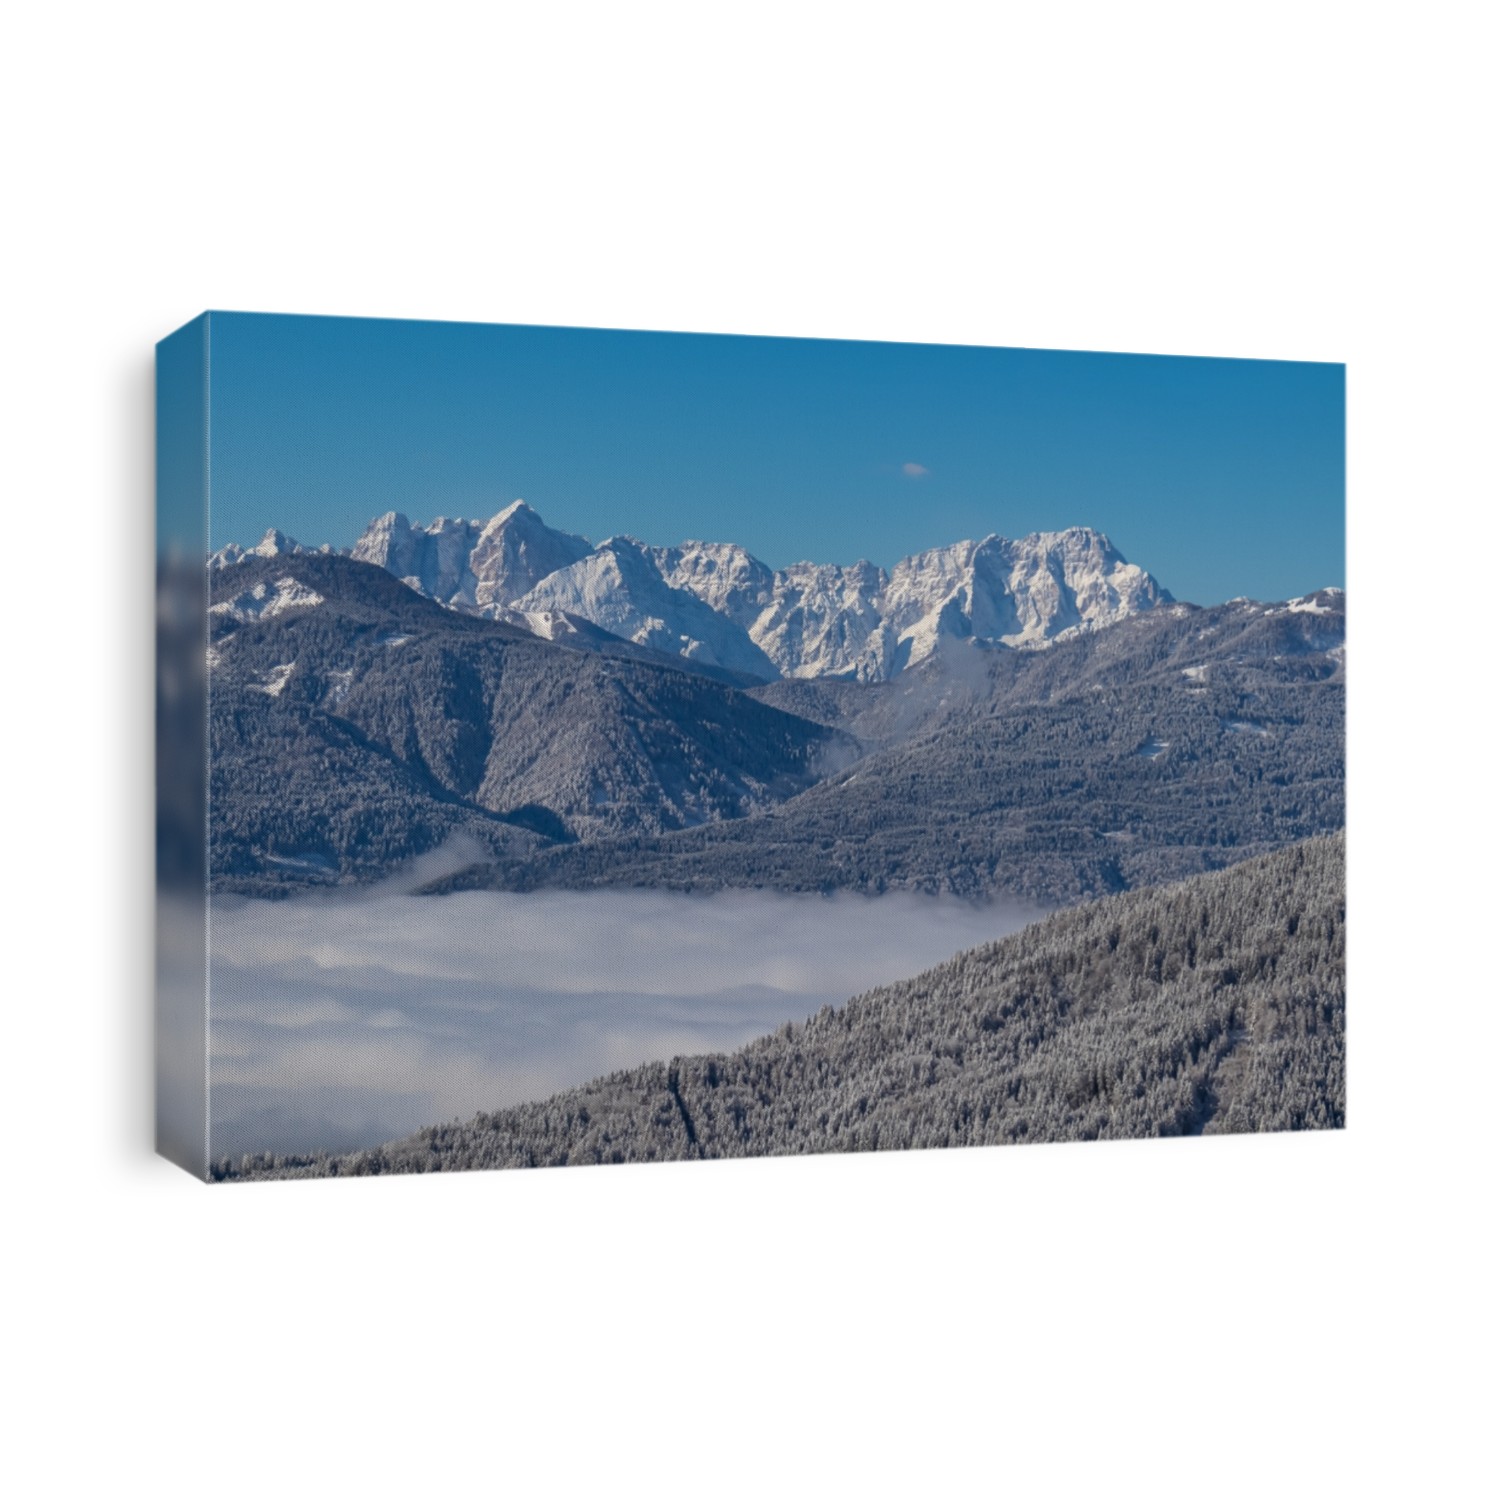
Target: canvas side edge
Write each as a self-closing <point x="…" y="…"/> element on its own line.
<point x="181" y="756"/>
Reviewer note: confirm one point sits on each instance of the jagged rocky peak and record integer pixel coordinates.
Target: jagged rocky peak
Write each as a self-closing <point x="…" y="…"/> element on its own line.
<point x="1022" y="593"/>
<point x="432" y="559"/>
<point x="722" y="574"/>
<point x="386" y="538"/>
<point x="273" y="544"/>
<point x="717" y="603"/>
<point x="484" y="565"/>
<point x="519" y="512"/>
<point x="515" y="551"/>
<point x="825" y="619"/>
<point x="620" y="586"/>
<point x="1069" y="579"/>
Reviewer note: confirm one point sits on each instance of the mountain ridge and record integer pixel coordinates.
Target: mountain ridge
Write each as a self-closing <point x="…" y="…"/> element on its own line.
<point x="1213" y="1005"/>
<point x="1176" y="740"/>
<point x="716" y="604"/>
<point x="355" y="724"/>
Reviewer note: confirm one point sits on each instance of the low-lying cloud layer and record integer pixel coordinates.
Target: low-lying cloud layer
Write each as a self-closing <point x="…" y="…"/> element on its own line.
<point x="342" y="1021"/>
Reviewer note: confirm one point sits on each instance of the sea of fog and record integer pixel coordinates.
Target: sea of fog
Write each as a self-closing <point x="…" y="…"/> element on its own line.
<point x="340" y="1021"/>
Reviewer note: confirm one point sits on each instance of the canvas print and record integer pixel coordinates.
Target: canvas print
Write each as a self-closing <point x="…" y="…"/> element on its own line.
<point x="583" y="747"/>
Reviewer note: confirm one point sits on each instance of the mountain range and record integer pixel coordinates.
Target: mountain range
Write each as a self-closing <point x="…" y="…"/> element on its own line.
<point x="1177" y="741"/>
<point x="719" y="608"/>
<point x="355" y="723"/>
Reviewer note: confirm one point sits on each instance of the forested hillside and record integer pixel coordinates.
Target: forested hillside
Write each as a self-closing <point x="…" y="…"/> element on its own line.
<point x="1168" y="745"/>
<point x="355" y="724"/>
<point x="1298" y="641"/>
<point x="1213" y="1005"/>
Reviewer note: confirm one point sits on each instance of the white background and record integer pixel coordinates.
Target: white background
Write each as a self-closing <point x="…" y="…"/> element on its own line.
<point x="1286" y="1316"/>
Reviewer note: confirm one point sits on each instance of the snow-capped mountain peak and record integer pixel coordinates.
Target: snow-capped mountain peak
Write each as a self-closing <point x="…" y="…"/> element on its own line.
<point x="716" y="603"/>
<point x="621" y="586"/>
<point x="432" y="559"/>
<point x="273" y="544"/>
<point x="515" y="508"/>
<point x="515" y="551"/>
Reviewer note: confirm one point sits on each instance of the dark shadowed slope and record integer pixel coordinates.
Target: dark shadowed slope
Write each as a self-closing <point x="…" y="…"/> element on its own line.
<point x="1173" y="743"/>
<point x="1214" y="1005"/>
<point x="355" y="724"/>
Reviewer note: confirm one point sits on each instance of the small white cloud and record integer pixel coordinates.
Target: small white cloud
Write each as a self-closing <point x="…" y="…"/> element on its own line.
<point x="915" y="471"/>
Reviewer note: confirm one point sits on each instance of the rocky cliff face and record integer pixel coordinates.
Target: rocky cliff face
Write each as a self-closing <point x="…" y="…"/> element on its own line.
<point x="715" y="604"/>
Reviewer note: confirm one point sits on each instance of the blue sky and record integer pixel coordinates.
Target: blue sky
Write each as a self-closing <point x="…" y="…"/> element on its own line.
<point x="1221" y="476"/>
